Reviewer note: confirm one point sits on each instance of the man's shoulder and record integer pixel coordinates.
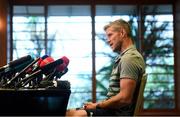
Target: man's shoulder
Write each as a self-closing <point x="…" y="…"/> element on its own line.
<point x="131" y="54"/>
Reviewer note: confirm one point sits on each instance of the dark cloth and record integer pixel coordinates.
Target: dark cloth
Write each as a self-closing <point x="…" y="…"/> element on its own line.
<point x="106" y="112"/>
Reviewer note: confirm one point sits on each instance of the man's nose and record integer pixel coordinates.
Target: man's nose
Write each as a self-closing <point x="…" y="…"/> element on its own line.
<point x="108" y="40"/>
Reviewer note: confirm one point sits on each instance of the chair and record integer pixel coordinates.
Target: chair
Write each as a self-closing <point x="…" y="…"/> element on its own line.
<point x="140" y="97"/>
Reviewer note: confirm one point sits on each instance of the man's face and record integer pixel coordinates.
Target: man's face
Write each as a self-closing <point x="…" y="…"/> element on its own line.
<point x="114" y="39"/>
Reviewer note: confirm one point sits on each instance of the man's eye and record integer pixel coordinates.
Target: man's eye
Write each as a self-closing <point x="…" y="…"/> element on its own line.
<point x="109" y="35"/>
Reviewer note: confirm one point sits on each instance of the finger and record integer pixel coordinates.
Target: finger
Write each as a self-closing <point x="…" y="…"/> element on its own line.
<point x="87" y="103"/>
<point x="84" y="106"/>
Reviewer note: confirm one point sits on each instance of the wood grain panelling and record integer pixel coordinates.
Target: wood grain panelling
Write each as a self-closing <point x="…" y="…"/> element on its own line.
<point x="3" y="31"/>
<point x="41" y="2"/>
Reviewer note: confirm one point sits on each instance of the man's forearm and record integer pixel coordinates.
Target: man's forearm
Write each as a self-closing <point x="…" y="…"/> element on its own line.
<point x="112" y="103"/>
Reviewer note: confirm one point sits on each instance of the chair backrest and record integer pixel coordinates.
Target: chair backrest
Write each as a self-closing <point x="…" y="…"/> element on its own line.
<point x="140" y="98"/>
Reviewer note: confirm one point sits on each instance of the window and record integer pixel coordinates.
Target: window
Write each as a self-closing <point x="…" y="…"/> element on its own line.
<point x="69" y="34"/>
<point x="28" y="31"/>
<point x="104" y="54"/>
<point x="66" y="30"/>
<point x="159" y="56"/>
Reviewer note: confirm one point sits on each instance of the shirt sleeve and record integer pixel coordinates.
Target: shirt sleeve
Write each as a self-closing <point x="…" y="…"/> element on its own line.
<point x="129" y="68"/>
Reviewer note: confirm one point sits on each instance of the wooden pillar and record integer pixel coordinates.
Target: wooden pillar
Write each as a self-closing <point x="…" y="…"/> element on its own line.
<point x="177" y="52"/>
<point x="3" y="31"/>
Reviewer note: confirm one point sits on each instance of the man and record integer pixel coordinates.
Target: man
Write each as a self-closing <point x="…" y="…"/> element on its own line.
<point x="128" y="68"/>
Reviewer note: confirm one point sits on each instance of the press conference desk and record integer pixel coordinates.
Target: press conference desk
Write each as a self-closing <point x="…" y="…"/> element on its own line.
<point x="34" y="102"/>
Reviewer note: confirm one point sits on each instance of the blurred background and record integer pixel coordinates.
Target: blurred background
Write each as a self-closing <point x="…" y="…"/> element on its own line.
<point x="75" y="29"/>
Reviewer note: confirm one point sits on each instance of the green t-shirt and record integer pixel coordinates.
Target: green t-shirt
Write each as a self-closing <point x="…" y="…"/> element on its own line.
<point x="129" y="64"/>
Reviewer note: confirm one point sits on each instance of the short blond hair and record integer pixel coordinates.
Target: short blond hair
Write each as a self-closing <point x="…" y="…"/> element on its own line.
<point x="118" y="24"/>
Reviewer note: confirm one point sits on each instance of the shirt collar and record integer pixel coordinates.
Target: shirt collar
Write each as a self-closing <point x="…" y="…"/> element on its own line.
<point x="119" y="57"/>
<point x="128" y="48"/>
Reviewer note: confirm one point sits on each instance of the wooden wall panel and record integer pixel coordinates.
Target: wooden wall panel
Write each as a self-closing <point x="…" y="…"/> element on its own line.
<point x="3" y="31"/>
<point x="177" y="52"/>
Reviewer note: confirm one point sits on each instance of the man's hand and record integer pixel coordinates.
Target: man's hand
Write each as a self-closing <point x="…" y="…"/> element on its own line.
<point x="90" y="105"/>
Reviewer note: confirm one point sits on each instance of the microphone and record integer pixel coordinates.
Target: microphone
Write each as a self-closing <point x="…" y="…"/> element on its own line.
<point x="46" y="61"/>
<point x="42" y="58"/>
<point x="60" y="74"/>
<point x="14" y="63"/>
<point x="19" y="61"/>
<point x="44" y="69"/>
<point x="11" y="71"/>
<point x="36" y="66"/>
<point x="27" y="69"/>
<point x="42" y="62"/>
<point x="3" y="68"/>
<point x="60" y="69"/>
<point x="64" y="65"/>
<point x="30" y="69"/>
<point x="22" y="72"/>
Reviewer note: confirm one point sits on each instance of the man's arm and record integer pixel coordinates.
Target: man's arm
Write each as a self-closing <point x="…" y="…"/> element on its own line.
<point x="124" y="97"/>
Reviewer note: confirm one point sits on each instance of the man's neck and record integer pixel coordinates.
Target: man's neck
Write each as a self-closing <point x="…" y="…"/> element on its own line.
<point x="127" y="42"/>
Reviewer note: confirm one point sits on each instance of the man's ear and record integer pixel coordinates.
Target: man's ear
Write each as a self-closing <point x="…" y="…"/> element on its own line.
<point x="122" y="32"/>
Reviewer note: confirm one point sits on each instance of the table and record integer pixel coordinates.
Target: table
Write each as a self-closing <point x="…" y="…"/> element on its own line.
<point x="34" y="102"/>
